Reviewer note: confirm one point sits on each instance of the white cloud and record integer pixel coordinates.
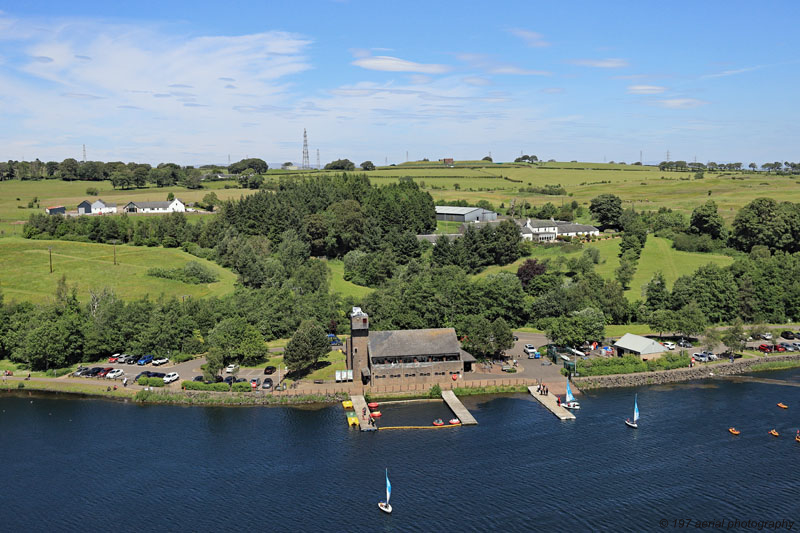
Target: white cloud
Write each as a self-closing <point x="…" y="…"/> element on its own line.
<point x="511" y="69"/>
<point x="420" y="79"/>
<point x="554" y="90"/>
<point x="732" y="72"/>
<point x="645" y="89"/>
<point x="493" y="66"/>
<point x="680" y="103"/>
<point x="531" y="38"/>
<point x="395" y="64"/>
<point x="476" y="81"/>
<point x="601" y="63"/>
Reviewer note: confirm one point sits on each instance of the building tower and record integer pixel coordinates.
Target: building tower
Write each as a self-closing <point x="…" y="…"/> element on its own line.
<point x="318" y="165"/>
<point x="306" y="164"/>
<point x="84" y="153"/>
<point x="357" y="345"/>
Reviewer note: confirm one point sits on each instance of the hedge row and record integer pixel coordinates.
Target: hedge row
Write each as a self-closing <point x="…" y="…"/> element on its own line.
<point x="151" y="382"/>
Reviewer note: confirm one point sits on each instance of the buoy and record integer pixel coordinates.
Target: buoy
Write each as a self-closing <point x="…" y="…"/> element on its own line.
<point x="372" y="405"/>
<point x="375" y="414"/>
<point x="455" y="377"/>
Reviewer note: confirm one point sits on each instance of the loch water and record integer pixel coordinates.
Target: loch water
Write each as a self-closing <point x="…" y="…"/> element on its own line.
<point x="95" y="465"/>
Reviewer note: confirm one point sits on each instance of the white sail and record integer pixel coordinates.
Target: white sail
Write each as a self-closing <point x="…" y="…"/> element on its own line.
<point x="570" y="397"/>
<point x="636" y="409"/>
<point x="388" y="487"/>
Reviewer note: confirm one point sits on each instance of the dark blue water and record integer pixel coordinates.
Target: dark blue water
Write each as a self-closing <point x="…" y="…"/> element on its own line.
<point x="92" y="465"/>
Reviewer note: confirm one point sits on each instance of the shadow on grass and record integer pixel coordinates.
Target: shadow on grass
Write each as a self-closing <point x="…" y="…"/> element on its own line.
<point x="300" y="374"/>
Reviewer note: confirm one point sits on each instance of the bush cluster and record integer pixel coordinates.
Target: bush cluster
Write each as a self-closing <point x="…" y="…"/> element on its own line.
<point x="151" y="382"/>
<point x="192" y="272"/>
<point x="199" y="385"/>
<point x="630" y="364"/>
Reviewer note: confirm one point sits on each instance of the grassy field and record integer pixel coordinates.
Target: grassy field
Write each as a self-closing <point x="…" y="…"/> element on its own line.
<point x="340" y="285"/>
<point x="658" y="254"/>
<point x="25" y="272"/>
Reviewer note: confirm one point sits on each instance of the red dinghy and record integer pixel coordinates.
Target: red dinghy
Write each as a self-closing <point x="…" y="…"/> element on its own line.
<point x="372" y="405"/>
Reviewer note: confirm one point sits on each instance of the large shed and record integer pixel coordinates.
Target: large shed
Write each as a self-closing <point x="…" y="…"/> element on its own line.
<point x="638" y="345"/>
<point x="464" y="214"/>
<point x="85" y="208"/>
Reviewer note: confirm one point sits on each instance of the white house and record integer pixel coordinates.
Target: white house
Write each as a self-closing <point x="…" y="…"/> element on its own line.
<point x="549" y="230"/>
<point x="174" y="206"/>
<point x="638" y="345"/>
<point x="103" y="208"/>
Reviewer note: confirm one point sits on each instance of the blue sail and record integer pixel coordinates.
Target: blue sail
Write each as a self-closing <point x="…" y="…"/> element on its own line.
<point x="635" y="408"/>
<point x="570" y="397"/>
<point x="388" y="486"/>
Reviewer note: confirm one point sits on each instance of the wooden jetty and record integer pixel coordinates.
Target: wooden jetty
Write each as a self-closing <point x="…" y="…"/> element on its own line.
<point x="551" y="404"/>
<point x="360" y="406"/>
<point x="458" y="408"/>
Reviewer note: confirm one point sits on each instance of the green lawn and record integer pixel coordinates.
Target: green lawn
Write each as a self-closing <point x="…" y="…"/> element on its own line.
<point x="25" y="272"/>
<point x="342" y="286"/>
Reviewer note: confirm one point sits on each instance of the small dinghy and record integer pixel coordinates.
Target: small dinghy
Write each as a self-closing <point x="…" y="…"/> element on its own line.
<point x="438" y="422"/>
<point x="634" y="424"/>
<point x="797" y="437"/>
<point x="372" y="405"/>
<point x="454" y="421"/>
<point x="384" y="506"/>
<point x="569" y="401"/>
<point x="783" y="405"/>
<point x="734" y="431"/>
<point x="774" y="433"/>
<point x="375" y="414"/>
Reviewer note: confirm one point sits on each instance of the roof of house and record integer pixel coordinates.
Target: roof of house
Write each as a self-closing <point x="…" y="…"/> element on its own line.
<point x="578" y="228"/>
<point x="639" y="344"/>
<point x="56" y="207"/>
<point x="85" y="202"/>
<point x="106" y="204"/>
<point x="454" y="210"/>
<point x="153" y="205"/>
<point x="536" y="223"/>
<point x="413" y="342"/>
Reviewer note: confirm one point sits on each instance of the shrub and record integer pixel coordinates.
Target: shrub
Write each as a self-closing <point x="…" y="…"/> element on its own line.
<point x="151" y="382"/>
<point x="435" y="391"/>
<point x="192" y="272"/>
<point x="199" y="385"/>
<point x="242" y="386"/>
<point x="92" y="191"/>
<point x="181" y="357"/>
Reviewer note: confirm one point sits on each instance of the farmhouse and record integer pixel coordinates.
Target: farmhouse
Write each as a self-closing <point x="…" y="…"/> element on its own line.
<point x="637" y="345"/>
<point x="175" y="206"/>
<point x="103" y="208"/>
<point x="464" y="214"/>
<point x="403" y="356"/>
<point x="56" y="210"/>
<point x="549" y="230"/>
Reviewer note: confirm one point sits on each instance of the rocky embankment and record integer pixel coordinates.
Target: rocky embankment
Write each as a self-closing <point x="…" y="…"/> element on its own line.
<point x="699" y="371"/>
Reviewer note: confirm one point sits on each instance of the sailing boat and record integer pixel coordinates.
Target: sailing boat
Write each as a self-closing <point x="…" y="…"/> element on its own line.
<point x="570" y="402"/>
<point x="634" y="424"/>
<point x="384" y="506"/>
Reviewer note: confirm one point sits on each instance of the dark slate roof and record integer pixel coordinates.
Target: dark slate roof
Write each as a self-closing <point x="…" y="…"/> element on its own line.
<point x="566" y="228"/>
<point x="151" y="205"/>
<point x="467" y="357"/>
<point x="85" y="202"/>
<point x="413" y="342"/>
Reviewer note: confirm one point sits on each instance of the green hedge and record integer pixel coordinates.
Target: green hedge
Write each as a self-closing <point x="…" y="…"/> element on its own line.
<point x="242" y="386"/>
<point x="631" y="363"/>
<point x="199" y="385"/>
<point x="151" y="382"/>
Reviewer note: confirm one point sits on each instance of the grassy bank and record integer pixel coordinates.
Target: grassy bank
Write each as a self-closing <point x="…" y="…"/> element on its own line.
<point x="223" y="398"/>
<point x="68" y="388"/>
<point x="775" y="365"/>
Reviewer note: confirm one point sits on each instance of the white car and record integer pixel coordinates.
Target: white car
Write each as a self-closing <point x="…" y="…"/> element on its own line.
<point x="172" y="376"/>
<point x="117" y="372"/>
<point x="231" y="368"/>
<point x="669" y="345"/>
<point x="160" y="361"/>
<point x="529" y="349"/>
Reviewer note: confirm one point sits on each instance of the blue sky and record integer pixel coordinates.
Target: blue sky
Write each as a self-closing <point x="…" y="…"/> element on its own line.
<point x="194" y="82"/>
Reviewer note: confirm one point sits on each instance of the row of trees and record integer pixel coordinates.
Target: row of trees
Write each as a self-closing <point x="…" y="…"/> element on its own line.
<point x="683" y="166"/>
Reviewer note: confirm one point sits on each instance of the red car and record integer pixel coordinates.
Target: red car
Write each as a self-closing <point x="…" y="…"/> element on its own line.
<point x="778" y="348"/>
<point x="103" y="372"/>
<point x="766" y="348"/>
<point x="114" y="358"/>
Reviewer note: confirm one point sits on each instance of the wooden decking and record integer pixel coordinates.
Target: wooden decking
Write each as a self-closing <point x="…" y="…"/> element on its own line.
<point x="458" y="408"/>
<point x="551" y="404"/>
<point x="360" y="406"/>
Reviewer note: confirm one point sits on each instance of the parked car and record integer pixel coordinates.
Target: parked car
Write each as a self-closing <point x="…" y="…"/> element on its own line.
<point x="145" y="374"/>
<point x="270" y="370"/>
<point x="80" y="370"/>
<point x="172" y="376"/>
<point x="230" y="380"/>
<point x="529" y="349"/>
<point x="103" y="373"/>
<point x="766" y="348"/>
<point x="198" y="378"/>
<point x="788" y="335"/>
<point x="778" y="348"/>
<point x="231" y="368"/>
<point x="93" y="372"/>
<point x="766" y="336"/>
<point x="255" y="382"/>
<point x="700" y="356"/>
<point x="796" y="344"/>
<point x="217" y="379"/>
<point x="114" y="358"/>
<point x="683" y="343"/>
<point x="160" y="361"/>
<point x="144" y="360"/>
<point x="240" y="380"/>
<point x="157" y="375"/>
<point x="267" y="384"/>
<point x="788" y="347"/>
<point x="669" y="345"/>
<point x="117" y="372"/>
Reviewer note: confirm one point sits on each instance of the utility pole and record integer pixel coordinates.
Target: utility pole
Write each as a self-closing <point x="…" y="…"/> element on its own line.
<point x="318" y="165"/>
<point x="115" y="251"/>
<point x="50" y="249"/>
<point x="84" y="153"/>
<point x="305" y="165"/>
<point x="667" y="156"/>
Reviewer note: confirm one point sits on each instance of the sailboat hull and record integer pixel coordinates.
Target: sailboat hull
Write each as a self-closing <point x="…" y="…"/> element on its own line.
<point x="630" y="424"/>
<point x="571" y="405"/>
<point x="385" y="507"/>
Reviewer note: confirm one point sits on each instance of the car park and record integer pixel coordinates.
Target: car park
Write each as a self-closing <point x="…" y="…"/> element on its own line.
<point x="269" y="370"/>
<point x="172" y="376"/>
<point x="160" y="361"/>
<point x="267" y="384"/>
<point x="787" y="335"/>
<point x="231" y="368"/>
<point x="145" y="360"/>
<point x="669" y="345"/>
<point x="117" y="372"/>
